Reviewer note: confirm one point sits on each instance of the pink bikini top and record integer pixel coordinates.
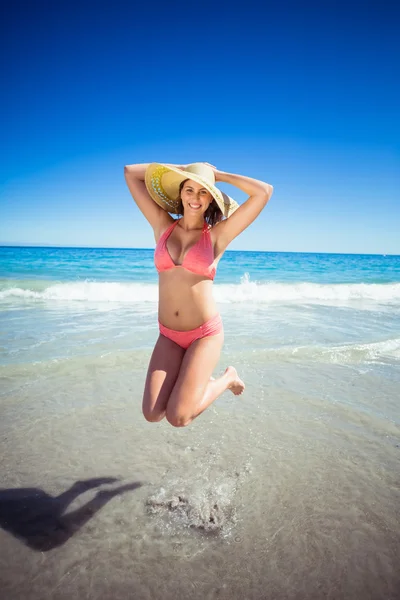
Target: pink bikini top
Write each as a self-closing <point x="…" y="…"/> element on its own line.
<point x="199" y="258"/>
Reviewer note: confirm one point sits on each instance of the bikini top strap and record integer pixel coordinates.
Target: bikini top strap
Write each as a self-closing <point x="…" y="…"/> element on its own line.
<point x="170" y="228"/>
<point x="163" y="237"/>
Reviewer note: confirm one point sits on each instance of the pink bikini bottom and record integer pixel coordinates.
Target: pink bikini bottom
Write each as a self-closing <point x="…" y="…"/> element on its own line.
<point x="185" y="338"/>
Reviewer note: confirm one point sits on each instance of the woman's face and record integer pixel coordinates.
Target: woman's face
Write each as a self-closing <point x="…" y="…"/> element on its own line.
<point x="195" y="197"/>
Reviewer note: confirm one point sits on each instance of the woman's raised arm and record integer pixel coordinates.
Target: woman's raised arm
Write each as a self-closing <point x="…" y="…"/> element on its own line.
<point x="259" y="194"/>
<point x="156" y="216"/>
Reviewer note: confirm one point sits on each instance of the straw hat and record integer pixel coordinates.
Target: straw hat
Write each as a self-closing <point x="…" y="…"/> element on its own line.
<point x="162" y="183"/>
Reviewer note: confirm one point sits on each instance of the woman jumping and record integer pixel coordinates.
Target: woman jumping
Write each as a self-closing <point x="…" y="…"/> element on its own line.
<point x="179" y="383"/>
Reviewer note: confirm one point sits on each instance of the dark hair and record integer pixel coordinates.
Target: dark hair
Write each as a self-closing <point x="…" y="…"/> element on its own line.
<point x="213" y="214"/>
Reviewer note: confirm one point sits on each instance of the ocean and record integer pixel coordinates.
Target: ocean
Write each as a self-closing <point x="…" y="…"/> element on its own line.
<point x="289" y="491"/>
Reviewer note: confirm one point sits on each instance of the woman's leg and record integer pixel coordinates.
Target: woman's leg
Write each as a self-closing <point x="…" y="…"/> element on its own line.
<point x="162" y="374"/>
<point x="193" y="391"/>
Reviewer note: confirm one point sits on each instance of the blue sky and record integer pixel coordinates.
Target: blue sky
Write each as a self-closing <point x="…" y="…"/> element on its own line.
<point x="302" y="95"/>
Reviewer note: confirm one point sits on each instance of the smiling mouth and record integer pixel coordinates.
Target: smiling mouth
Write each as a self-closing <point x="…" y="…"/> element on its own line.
<point x="195" y="206"/>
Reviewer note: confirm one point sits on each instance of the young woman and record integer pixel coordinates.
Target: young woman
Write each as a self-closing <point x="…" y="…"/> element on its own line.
<point x="179" y="383"/>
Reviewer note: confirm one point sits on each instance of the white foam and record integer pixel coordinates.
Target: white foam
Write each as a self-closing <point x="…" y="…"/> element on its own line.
<point x="307" y="293"/>
<point x="245" y="292"/>
<point x="344" y="353"/>
<point x="89" y="292"/>
<point x="367" y="352"/>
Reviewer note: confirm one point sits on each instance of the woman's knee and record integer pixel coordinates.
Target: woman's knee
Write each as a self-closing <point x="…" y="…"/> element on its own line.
<point x="177" y="418"/>
<point x="153" y="416"/>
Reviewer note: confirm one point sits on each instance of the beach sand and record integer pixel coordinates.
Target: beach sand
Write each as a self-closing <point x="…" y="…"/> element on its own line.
<point x="278" y="494"/>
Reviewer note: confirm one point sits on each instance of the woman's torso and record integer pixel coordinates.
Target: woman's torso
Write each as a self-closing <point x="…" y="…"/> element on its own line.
<point x="185" y="297"/>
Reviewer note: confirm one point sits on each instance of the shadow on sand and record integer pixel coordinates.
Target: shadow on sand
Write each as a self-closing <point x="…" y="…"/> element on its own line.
<point x="38" y="519"/>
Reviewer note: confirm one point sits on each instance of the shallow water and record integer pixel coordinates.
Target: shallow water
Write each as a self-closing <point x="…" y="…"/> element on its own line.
<point x="289" y="492"/>
<point x="278" y="494"/>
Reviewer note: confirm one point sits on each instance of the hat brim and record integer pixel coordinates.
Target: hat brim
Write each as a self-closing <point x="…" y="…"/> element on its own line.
<point x="162" y="183"/>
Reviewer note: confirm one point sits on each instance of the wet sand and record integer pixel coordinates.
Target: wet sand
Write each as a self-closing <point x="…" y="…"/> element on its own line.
<point x="278" y="494"/>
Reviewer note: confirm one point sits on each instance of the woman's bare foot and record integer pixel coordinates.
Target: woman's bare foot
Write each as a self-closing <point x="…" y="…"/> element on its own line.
<point x="236" y="385"/>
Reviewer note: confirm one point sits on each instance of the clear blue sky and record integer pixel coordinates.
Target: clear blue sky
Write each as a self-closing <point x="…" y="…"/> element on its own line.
<point x="302" y="95"/>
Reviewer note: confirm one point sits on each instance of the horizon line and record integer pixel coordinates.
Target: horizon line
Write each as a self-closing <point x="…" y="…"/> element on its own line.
<point x="41" y="245"/>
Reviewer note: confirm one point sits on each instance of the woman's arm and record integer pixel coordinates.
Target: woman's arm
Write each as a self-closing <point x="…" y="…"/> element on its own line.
<point x="259" y="194"/>
<point x="156" y="216"/>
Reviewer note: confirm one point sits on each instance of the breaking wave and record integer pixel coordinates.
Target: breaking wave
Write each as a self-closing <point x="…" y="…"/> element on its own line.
<point x="245" y="292"/>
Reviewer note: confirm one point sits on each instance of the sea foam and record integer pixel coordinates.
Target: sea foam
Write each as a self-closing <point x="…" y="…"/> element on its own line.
<point x="244" y="292"/>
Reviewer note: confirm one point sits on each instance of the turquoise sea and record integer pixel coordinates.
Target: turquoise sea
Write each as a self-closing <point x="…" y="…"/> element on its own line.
<point x="64" y="302"/>
<point x="291" y="491"/>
